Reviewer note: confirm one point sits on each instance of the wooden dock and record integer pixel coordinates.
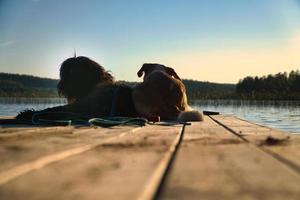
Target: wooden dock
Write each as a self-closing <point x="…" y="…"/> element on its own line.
<point x="221" y="158"/>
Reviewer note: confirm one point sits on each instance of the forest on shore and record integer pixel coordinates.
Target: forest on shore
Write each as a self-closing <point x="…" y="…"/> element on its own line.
<point x="281" y="86"/>
<point x="16" y="85"/>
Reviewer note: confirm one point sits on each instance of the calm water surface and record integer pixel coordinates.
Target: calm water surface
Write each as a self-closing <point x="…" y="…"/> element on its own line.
<point x="284" y="115"/>
<point x="12" y="106"/>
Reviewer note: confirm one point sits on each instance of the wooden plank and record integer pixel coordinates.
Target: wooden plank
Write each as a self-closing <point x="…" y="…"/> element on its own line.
<point x="212" y="163"/>
<point x="248" y="129"/>
<point x="121" y="168"/>
<point x="283" y="146"/>
<point x="21" y="133"/>
<point x="56" y="139"/>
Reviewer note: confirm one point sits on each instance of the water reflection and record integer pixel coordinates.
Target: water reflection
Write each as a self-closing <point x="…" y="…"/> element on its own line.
<point x="33" y="100"/>
<point x="284" y="115"/>
<point x="12" y="106"/>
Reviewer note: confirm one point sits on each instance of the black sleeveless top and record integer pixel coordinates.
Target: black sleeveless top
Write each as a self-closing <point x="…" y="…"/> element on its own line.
<point x="122" y="102"/>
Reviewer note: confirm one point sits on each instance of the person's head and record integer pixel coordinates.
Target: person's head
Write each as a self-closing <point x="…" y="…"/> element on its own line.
<point x="79" y="76"/>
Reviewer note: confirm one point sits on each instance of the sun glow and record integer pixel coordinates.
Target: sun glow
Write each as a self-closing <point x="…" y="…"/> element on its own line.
<point x="230" y="65"/>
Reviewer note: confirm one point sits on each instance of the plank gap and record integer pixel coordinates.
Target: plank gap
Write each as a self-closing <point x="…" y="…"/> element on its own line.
<point x="291" y="165"/>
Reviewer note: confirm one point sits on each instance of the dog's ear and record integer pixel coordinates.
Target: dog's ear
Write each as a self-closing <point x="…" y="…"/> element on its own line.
<point x="172" y="72"/>
<point x="141" y="71"/>
<point x="144" y="69"/>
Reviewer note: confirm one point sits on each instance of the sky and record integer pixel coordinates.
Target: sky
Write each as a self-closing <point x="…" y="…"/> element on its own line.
<point x="207" y="40"/>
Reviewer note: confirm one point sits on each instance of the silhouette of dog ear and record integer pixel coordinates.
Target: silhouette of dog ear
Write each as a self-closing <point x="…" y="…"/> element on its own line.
<point x="145" y="68"/>
<point x="172" y="72"/>
<point x="141" y="71"/>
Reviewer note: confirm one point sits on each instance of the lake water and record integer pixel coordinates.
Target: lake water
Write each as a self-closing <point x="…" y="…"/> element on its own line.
<point x="12" y="106"/>
<point x="284" y="115"/>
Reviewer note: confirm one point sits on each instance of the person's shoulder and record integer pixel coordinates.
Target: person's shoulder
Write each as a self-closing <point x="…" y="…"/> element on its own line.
<point x="124" y="85"/>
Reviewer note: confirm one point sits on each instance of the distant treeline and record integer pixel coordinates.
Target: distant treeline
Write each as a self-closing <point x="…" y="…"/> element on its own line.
<point x="281" y="86"/>
<point x="15" y="85"/>
<point x="207" y="90"/>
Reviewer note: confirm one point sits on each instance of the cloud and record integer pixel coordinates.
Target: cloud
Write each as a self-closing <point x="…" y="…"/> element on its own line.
<point x="7" y="43"/>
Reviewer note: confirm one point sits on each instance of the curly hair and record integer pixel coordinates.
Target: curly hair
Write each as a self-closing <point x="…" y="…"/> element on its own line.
<point x="79" y="76"/>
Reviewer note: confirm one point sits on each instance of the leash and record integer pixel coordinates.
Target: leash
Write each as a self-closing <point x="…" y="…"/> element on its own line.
<point x="31" y="117"/>
<point x="117" y="121"/>
<point x="67" y="119"/>
<point x="59" y="119"/>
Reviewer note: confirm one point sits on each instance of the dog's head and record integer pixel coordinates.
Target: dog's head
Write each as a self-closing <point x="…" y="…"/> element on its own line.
<point x="148" y="68"/>
<point x="162" y="92"/>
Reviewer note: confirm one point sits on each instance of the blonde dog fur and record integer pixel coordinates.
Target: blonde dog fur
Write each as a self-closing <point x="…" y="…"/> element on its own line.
<point x="162" y="93"/>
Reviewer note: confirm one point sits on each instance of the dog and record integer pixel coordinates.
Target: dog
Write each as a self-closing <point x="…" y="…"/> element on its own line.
<point x="162" y="93"/>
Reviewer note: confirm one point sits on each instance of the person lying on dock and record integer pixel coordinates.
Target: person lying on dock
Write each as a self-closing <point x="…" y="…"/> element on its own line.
<point x="91" y="91"/>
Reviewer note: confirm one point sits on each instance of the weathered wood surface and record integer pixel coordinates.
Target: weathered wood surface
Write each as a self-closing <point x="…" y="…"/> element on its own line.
<point x="213" y="163"/>
<point x="220" y="158"/>
<point x="87" y="164"/>
<point x="283" y="146"/>
<point x="49" y="141"/>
